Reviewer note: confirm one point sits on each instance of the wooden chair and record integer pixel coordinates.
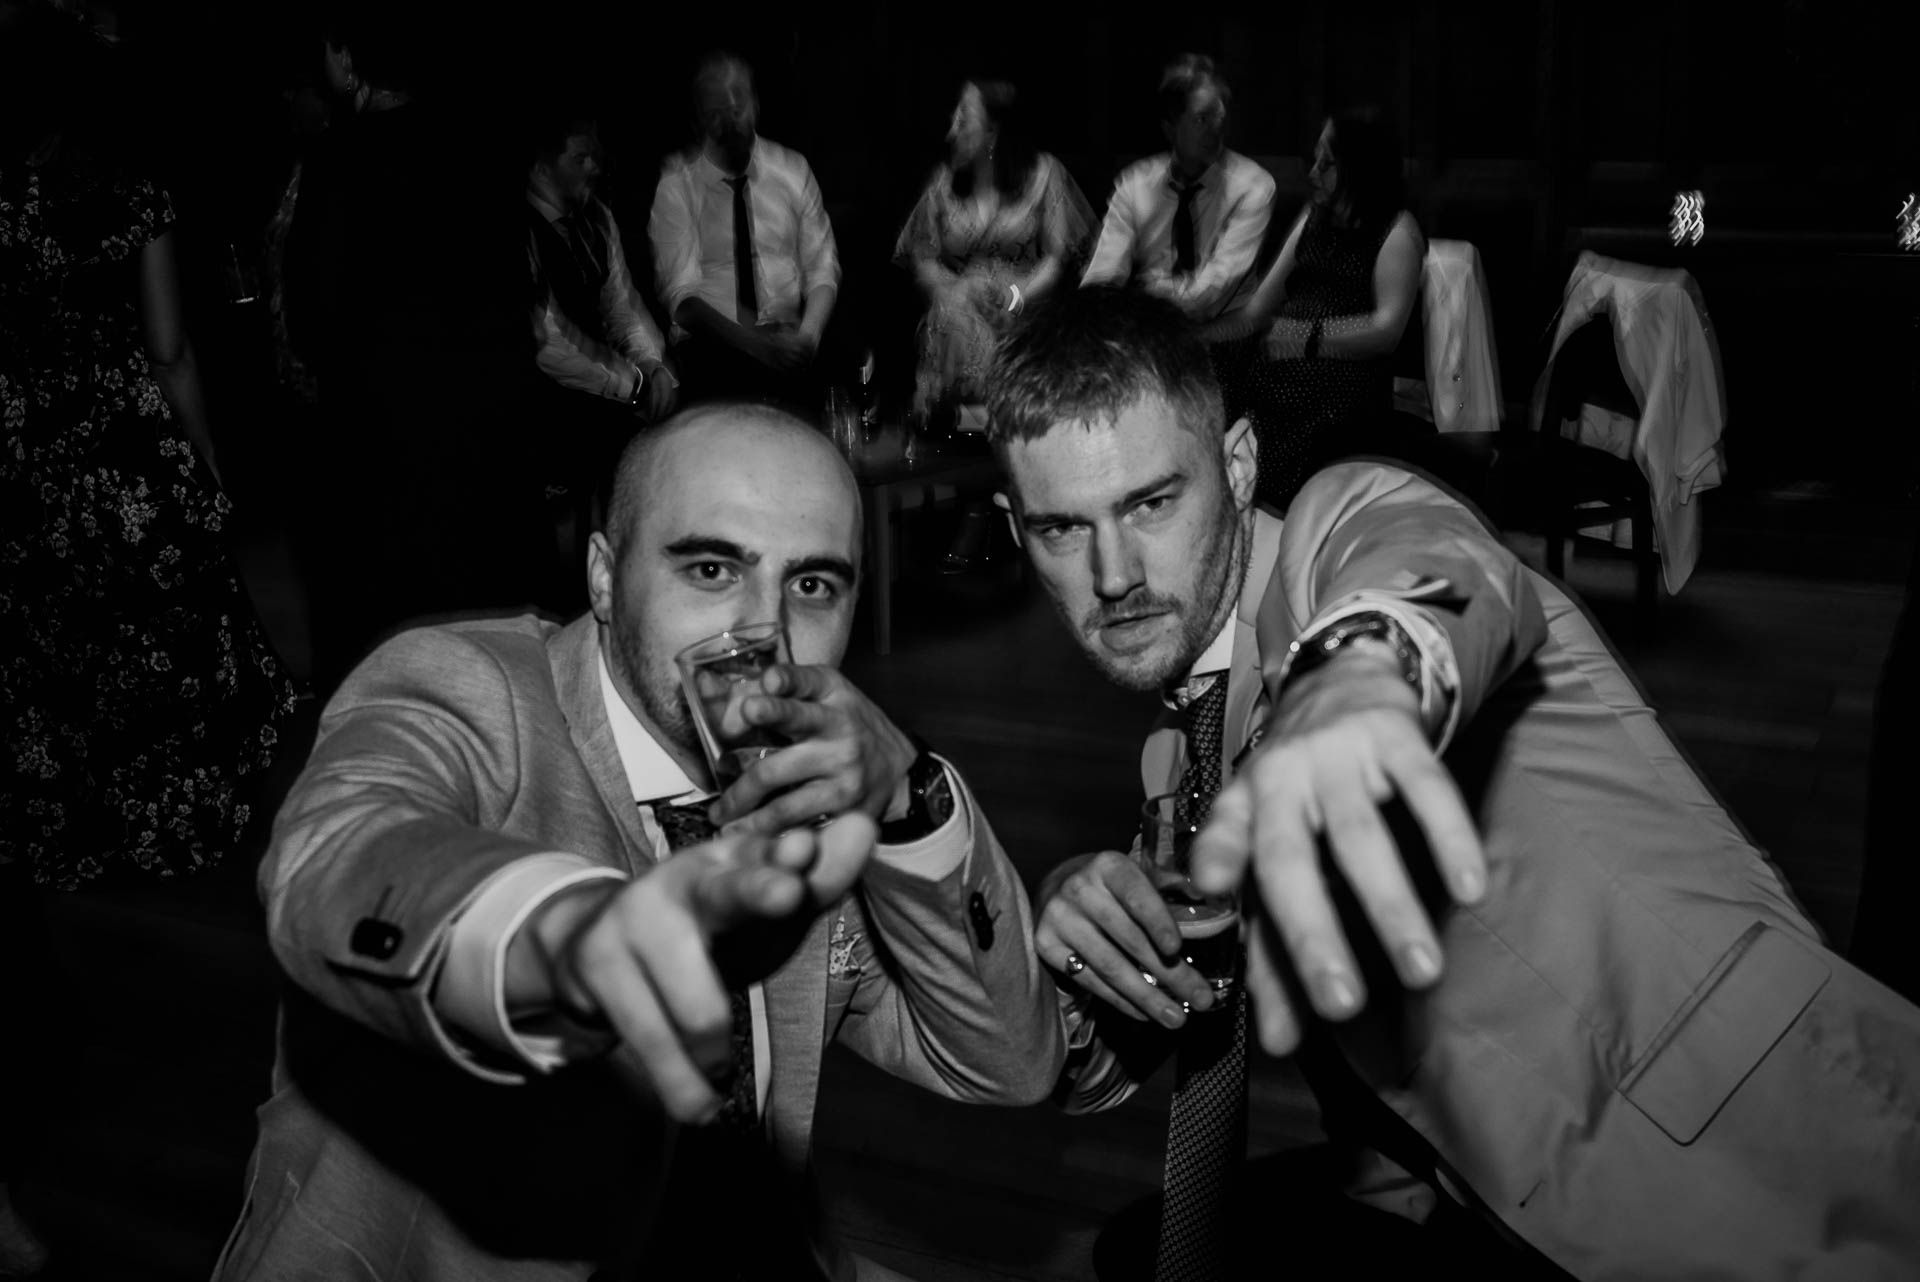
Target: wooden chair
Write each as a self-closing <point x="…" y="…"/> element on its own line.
<point x="1553" y="483"/>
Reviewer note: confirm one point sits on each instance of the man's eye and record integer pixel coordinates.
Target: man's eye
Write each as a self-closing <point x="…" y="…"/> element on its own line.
<point x="814" y="588"/>
<point x="1154" y="504"/>
<point x="710" y="572"/>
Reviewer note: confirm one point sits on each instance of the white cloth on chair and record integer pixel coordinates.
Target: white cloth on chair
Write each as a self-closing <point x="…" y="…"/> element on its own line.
<point x="1463" y="369"/>
<point x="1671" y="364"/>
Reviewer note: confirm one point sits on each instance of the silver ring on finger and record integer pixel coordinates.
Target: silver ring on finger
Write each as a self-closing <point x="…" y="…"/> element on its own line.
<point x="1074" y="964"/>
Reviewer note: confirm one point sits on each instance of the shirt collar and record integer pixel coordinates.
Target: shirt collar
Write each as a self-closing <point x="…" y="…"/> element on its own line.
<point x="1217" y="658"/>
<point x="652" y="773"/>
<point x="549" y="209"/>
<point x="1209" y="179"/>
<point x="752" y="170"/>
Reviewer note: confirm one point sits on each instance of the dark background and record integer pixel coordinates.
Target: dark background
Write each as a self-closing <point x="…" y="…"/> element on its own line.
<point x="1534" y="128"/>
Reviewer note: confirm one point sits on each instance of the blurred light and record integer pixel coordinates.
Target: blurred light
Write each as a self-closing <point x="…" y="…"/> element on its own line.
<point x="1689" y="220"/>
<point x="1909" y="223"/>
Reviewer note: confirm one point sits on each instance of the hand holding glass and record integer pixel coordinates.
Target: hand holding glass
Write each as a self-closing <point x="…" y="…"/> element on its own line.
<point x="719" y="675"/>
<point x="1209" y="924"/>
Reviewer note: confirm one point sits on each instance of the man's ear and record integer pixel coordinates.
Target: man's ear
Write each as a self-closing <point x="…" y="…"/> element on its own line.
<point x="1240" y="450"/>
<point x="600" y="567"/>
<point x="1005" y="504"/>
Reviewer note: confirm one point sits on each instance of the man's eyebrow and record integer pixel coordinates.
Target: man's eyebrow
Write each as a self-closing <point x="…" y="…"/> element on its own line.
<point x="1035" y="520"/>
<point x="706" y="545"/>
<point x="823" y="564"/>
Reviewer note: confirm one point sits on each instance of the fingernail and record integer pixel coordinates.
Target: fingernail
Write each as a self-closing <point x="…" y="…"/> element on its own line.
<point x="1172" y="1016"/>
<point x="1468" y="886"/>
<point x="1419" y="963"/>
<point x="1335" y="993"/>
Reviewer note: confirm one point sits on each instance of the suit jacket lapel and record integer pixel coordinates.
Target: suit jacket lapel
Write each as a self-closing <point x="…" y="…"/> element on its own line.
<point x="1244" y="682"/>
<point x="797" y="1031"/>
<point x="574" y="654"/>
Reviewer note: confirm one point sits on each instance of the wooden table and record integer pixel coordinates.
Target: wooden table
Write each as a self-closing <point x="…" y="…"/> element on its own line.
<point x="885" y="473"/>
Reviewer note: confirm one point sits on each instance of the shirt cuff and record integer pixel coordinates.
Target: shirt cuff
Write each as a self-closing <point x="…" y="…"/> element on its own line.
<point x="471" y="995"/>
<point x="1439" y="671"/>
<point x="935" y="856"/>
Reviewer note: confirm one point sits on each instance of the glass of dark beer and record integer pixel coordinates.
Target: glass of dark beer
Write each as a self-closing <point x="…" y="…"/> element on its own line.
<point x="1209" y="924"/>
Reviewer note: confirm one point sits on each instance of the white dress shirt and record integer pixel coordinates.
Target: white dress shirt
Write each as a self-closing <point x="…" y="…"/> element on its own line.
<point x="1230" y="213"/>
<point x="470" y="992"/>
<point x="692" y="232"/>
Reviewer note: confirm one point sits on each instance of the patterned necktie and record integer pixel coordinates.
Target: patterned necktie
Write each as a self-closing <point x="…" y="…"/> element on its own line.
<point x="746" y="301"/>
<point x="579" y="238"/>
<point x="1207" y="1131"/>
<point x="1183" y="252"/>
<point x="684" y="826"/>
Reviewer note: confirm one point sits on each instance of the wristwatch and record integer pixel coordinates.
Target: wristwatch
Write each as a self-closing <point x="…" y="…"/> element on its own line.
<point x="1310" y="652"/>
<point x="929" y="800"/>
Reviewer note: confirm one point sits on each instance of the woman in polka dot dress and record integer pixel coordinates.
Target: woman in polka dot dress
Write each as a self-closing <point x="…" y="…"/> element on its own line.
<point x="1326" y="320"/>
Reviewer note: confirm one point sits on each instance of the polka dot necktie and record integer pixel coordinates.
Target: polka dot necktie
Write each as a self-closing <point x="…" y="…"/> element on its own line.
<point x="685" y="826"/>
<point x="1207" y="1131"/>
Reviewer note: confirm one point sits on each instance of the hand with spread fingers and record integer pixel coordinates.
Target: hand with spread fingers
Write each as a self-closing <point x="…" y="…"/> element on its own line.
<point x="842" y="754"/>
<point x="653" y="958"/>
<point x="1103" y="928"/>
<point x="1342" y="740"/>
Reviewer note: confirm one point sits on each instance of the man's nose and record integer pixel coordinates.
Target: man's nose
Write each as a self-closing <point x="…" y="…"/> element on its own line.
<point x="1116" y="564"/>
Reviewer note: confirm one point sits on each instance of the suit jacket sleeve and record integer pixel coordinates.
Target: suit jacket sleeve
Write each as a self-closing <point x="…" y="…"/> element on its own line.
<point x="1371" y="531"/>
<point x="961" y="1010"/>
<point x="385" y="837"/>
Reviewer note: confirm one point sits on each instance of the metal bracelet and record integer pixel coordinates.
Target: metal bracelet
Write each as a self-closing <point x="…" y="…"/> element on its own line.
<point x="1312" y="651"/>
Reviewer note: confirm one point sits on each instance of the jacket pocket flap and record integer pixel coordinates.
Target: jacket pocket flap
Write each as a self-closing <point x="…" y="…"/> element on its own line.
<point x="1723" y="1030"/>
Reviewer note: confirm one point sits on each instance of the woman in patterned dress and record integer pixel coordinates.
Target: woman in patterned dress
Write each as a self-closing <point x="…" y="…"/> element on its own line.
<point x="137" y="690"/>
<point x="1330" y="313"/>
<point x="996" y="228"/>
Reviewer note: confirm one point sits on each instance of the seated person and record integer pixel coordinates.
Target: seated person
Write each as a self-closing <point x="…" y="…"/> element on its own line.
<point x="597" y="343"/>
<point x="991" y="234"/>
<point x="1529" y="962"/>
<point x="1186" y="225"/>
<point x="1327" y="318"/>
<point x="743" y="251"/>
<point x="540" y="1024"/>
<point x="594" y="331"/>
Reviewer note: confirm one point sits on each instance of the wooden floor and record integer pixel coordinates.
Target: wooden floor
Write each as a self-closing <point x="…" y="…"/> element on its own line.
<point x="1765" y="667"/>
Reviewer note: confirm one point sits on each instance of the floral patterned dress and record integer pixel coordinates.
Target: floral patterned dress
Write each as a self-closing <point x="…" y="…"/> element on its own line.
<point x="137" y="689"/>
<point x="989" y="244"/>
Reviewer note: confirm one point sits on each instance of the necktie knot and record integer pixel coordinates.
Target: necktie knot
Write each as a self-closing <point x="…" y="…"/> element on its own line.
<point x="685" y="824"/>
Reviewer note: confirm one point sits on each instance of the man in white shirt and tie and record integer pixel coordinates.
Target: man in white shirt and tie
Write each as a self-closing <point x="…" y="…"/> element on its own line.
<point x="744" y="251"/>
<point x="1187" y="224"/>
<point x="540" y="1024"/>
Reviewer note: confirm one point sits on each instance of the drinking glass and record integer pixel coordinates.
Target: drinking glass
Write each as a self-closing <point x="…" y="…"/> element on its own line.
<point x="719" y="675"/>
<point x="1209" y="924"/>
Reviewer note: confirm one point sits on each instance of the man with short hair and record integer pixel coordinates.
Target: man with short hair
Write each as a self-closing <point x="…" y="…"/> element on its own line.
<point x="1545" y="972"/>
<point x="1187" y="225"/>
<point x="745" y="255"/>
<point x="594" y="331"/>
<point x="521" y="1041"/>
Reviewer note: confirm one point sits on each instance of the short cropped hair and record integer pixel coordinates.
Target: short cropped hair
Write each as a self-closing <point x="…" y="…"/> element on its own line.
<point x="631" y="474"/>
<point x="1087" y="355"/>
<point x="1182" y="77"/>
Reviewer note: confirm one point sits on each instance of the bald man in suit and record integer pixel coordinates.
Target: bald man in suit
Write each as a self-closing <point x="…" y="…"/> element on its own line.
<point x="521" y="1041"/>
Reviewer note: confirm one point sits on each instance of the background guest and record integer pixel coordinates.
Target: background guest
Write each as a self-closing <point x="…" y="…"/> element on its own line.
<point x="993" y="231"/>
<point x="1187" y="224"/>
<point x="137" y="690"/>
<point x="412" y="316"/>
<point x="598" y="344"/>
<point x="745" y="255"/>
<point x="1320" y="379"/>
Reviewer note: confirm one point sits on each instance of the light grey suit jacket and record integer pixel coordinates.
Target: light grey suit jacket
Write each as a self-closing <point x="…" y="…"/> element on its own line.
<point x="1641" y="1058"/>
<point x="449" y="753"/>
